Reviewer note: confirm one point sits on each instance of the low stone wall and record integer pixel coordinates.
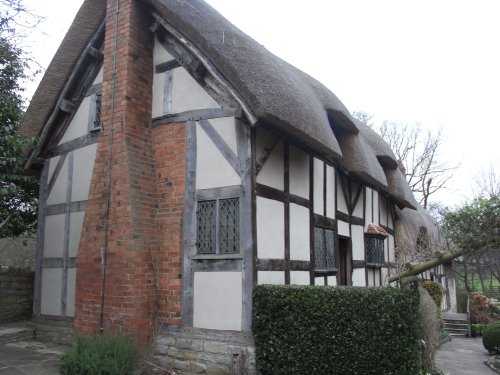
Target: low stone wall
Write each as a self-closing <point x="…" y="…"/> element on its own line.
<point x="16" y="295"/>
<point x="197" y="351"/>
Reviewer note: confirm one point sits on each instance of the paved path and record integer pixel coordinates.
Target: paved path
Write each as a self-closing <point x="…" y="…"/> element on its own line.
<point x="463" y="356"/>
<point x="30" y="358"/>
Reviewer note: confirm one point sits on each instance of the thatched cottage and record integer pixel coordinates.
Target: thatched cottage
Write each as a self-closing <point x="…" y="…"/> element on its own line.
<point x="181" y="163"/>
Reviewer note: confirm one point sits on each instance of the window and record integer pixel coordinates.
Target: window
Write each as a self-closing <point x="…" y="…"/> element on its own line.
<point x="375" y="251"/>
<point x="218" y="226"/>
<point x="324" y="255"/>
<point x="95" y="112"/>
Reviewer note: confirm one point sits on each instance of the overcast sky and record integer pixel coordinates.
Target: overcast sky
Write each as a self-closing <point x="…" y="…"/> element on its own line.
<point x="435" y="62"/>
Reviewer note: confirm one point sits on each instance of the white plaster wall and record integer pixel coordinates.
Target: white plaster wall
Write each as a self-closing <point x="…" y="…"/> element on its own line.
<point x="212" y="169"/>
<point x="270" y="229"/>
<point x="271" y="277"/>
<point x="58" y="192"/>
<point x="54" y="236"/>
<point x="368" y="207"/>
<point x="384" y="272"/>
<point x="80" y="123"/>
<point x="52" y="166"/>
<point x="262" y="137"/>
<point x="299" y="278"/>
<point x="217" y="300"/>
<point x="390" y="248"/>
<point x="331" y="280"/>
<point x="299" y="172"/>
<point x="160" y="54"/>
<point x="358" y="210"/>
<point x="341" y="203"/>
<point x="383" y="210"/>
<point x="390" y="222"/>
<point x="75" y="231"/>
<point x="330" y="192"/>
<point x="343" y="228"/>
<point x="157" y="108"/>
<point x="99" y="77"/>
<point x="375" y="207"/>
<point x="273" y="172"/>
<point x="370" y="276"/>
<point x="226" y="127"/>
<point x="358" y="242"/>
<point x="70" y="293"/>
<point x="318" y="184"/>
<point x="319" y="281"/>
<point x="83" y="166"/>
<point x="299" y="233"/>
<point x="51" y="291"/>
<point x="187" y="94"/>
<point x="358" y="277"/>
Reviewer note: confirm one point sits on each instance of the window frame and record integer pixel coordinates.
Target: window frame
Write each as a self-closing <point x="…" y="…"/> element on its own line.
<point x="376" y="262"/>
<point x="95" y="112"/>
<point x="217" y="252"/>
<point x="334" y="242"/>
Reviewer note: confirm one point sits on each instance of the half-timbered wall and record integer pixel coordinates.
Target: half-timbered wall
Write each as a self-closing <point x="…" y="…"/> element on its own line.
<point x="217" y="279"/>
<point x="65" y="184"/>
<point x="293" y="185"/>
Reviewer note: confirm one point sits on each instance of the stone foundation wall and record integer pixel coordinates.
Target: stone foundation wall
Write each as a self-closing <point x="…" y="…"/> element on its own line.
<point x="197" y="351"/>
<point x="16" y="295"/>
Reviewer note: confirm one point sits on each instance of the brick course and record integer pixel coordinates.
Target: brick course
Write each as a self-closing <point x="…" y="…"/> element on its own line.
<point x="143" y="233"/>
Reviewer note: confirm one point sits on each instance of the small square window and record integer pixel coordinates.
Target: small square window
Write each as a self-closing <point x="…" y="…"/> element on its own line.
<point x="95" y="112"/>
<point x="324" y="245"/>
<point x="375" y="251"/>
<point x="218" y="223"/>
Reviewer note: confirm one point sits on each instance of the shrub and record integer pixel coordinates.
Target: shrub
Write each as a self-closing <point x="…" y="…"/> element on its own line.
<point x="436" y="291"/>
<point x="477" y="330"/>
<point x="104" y="355"/>
<point x="491" y="338"/>
<point x="479" y="308"/>
<point x="323" y="330"/>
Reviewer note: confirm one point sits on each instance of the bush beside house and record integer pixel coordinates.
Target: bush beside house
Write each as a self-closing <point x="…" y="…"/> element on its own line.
<point x="320" y="330"/>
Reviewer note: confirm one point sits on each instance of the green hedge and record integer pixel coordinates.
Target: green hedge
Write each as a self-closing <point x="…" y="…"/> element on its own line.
<point x="323" y="330"/>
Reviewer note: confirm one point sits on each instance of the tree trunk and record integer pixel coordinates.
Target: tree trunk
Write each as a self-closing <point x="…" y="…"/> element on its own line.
<point x="422" y="267"/>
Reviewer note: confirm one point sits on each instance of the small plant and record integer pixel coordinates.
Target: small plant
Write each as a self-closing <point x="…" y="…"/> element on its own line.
<point x="443" y="335"/>
<point x="491" y="338"/>
<point x="477" y="330"/>
<point x="103" y="355"/>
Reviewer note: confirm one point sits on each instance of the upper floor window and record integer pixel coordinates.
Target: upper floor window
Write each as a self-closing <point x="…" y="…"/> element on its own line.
<point x="218" y="224"/>
<point x="95" y="112"/>
<point x="324" y="253"/>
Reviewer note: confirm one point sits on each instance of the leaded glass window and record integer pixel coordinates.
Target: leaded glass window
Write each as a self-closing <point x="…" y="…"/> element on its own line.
<point x="375" y="251"/>
<point x="324" y="245"/>
<point x="96" y="117"/>
<point x="219" y="226"/>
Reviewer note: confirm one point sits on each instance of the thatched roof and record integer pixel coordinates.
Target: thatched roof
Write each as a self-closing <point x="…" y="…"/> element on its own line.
<point x="278" y="94"/>
<point x="413" y="223"/>
<point x="44" y="100"/>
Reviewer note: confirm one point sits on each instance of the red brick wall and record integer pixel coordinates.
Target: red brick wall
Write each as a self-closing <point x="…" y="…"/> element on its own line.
<point x="142" y="232"/>
<point x="170" y="151"/>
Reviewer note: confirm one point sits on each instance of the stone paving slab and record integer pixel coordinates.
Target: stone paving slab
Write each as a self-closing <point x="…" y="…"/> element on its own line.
<point x="463" y="356"/>
<point x="30" y="358"/>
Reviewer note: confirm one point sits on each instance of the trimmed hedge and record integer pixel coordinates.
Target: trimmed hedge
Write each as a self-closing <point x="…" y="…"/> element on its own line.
<point x="343" y="330"/>
<point x="491" y="338"/>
